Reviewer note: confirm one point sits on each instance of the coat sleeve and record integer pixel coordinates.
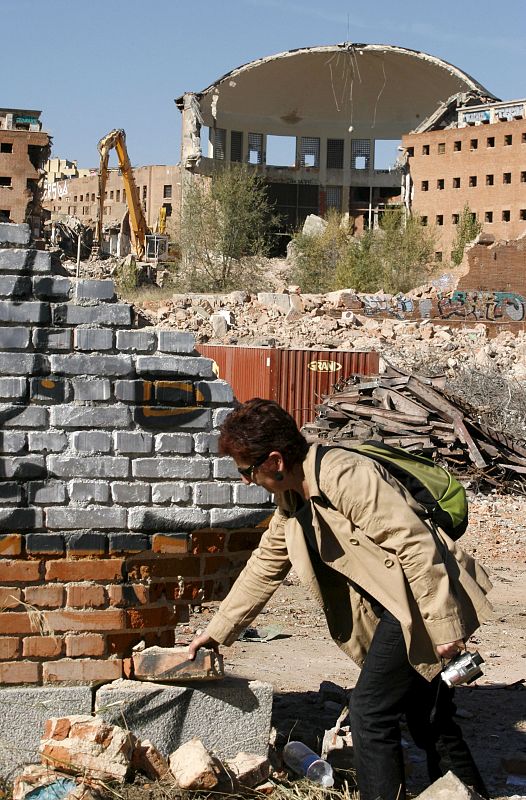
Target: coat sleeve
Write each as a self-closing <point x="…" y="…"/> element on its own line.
<point x="378" y="506"/>
<point x="265" y="570"/>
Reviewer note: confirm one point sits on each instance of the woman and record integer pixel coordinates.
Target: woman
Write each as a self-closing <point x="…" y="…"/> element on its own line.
<point x="398" y="598"/>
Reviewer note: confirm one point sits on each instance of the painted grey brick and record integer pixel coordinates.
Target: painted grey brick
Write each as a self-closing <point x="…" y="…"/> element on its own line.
<point x="25" y="363"/>
<point x="133" y="442"/>
<point x="24" y="261"/>
<point x="52" y="288"/>
<point x="171" y="492"/>
<point x="72" y="416"/>
<point x="15" y="286"/>
<point x="46" y="493"/>
<point x="136" y="341"/>
<point x="92" y="441"/>
<point x="167" y="519"/>
<point x="174" y="443"/>
<point x="93" y="339"/>
<point x="238" y="517"/>
<point x="27" y="312"/>
<point x="250" y="495"/>
<point x="10" y="493"/>
<point x="225" y="468"/>
<point x="83" y="364"/>
<point x="94" y="290"/>
<point x="89" y="492"/>
<point x="212" y="494"/>
<point x="86" y="543"/>
<point x="85" y="390"/>
<point x="189" y="366"/>
<point x="49" y="390"/>
<point x="14" y="338"/>
<point x="93" y="518"/>
<point x="206" y="442"/>
<point x="185" y="468"/>
<point x="21" y="467"/>
<point x="215" y="391"/>
<point x="13" y="388"/>
<point x="176" y="342"/>
<point x="13" y="442"/>
<point x="24" y="417"/>
<point x="128" y="493"/>
<point x="88" y="467"/>
<point x="219" y="415"/>
<point x="128" y="543"/>
<point x="52" y="338"/>
<point x="15" y="233"/>
<point x="118" y="314"/>
<point x="132" y="391"/>
<point x="21" y="519"/>
<point x="44" y="543"/>
<point x="47" y="441"/>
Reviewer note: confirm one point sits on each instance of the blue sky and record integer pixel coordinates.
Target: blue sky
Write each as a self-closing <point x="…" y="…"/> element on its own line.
<point x="94" y="65"/>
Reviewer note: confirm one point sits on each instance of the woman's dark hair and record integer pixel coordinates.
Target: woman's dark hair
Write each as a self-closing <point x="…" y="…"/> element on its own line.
<point x="256" y="428"/>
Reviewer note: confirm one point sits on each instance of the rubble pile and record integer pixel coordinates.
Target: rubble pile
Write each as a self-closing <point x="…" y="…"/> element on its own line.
<point x="414" y="412"/>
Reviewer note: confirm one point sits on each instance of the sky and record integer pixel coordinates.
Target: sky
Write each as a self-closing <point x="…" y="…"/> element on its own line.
<point x="95" y="65"/>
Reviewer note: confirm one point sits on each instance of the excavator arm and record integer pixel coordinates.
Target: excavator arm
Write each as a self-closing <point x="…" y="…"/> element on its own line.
<point x="117" y="139"/>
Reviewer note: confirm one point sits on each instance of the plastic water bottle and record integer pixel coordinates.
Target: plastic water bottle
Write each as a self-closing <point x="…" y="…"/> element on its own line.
<point x="304" y="761"/>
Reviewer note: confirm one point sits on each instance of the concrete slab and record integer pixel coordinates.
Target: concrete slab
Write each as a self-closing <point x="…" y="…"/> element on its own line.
<point x="24" y="712"/>
<point x="11" y="233"/>
<point x="228" y="717"/>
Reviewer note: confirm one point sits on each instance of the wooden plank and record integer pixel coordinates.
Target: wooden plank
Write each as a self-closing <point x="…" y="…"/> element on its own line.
<point x="368" y="411"/>
<point x="408" y="441"/>
<point x="401" y="402"/>
<point x="399" y="427"/>
<point x="475" y="454"/>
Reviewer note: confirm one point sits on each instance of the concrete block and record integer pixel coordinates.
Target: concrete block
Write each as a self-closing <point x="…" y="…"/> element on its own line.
<point x="16" y="286"/>
<point x="88" y="467"/>
<point x="238" y="517"/>
<point x="95" y="517"/>
<point x="172" y="665"/>
<point x="226" y="716"/>
<point x="46" y="493"/>
<point x="72" y="416"/>
<point x="88" y="390"/>
<point x="167" y="519"/>
<point x="24" y="712"/>
<point x="26" y="312"/>
<point x="449" y="787"/>
<point x="134" y="442"/>
<point x="130" y="493"/>
<point x="25" y="363"/>
<point x="15" y="233"/>
<point x="25" y="261"/>
<point x="178" y="468"/>
<point x="94" y="290"/>
<point x="93" y="339"/>
<point x="51" y="288"/>
<point x="14" y="338"/>
<point x="23" y="416"/>
<point x="47" y="441"/>
<point x="170" y="492"/>
<point x="83" y="364"/>
<point x="190" y="366"/>
<point x="136" y="341"/>
<point x="117" y="314"/>
<point x="225" y="468"/>
<point x="92" y="441"/>
<point x="214" y="392"/>
<point x="89" y="492"/>
<point x="212" y="494"/>
<point x="52" y="339"/>
<point x="13" y="442"/>
<point x="206" y="442"/>
<point x="176" y="342"/>
<point x="13" y="388"/>
<point x="174" y="443"/>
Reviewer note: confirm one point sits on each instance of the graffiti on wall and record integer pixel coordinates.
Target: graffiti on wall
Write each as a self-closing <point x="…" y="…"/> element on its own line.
<point x="470" y="305"/>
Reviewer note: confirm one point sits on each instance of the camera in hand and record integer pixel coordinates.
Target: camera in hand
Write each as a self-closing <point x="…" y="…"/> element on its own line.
<point x="464" y="668"/>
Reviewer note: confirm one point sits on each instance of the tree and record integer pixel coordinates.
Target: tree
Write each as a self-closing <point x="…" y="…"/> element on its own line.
<point x="316" y="257"/>
<point x="226" y="227"/>
<point x="468" y="229"/>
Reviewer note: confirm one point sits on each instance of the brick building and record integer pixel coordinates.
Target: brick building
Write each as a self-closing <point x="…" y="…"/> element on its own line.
<point x="477" y="158"/>
<point x="24" y="148"/>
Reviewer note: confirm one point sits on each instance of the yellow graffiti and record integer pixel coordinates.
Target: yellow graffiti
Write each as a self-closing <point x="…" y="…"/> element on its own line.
<point x="324" y="366"/>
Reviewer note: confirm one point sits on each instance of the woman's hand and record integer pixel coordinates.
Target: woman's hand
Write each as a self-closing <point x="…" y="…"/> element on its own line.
<point x="203" y="640"/>
<point x="451" y="649"/>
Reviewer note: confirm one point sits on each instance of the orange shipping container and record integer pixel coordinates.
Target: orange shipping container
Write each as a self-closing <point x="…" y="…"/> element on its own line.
<point x="296" y="379"/>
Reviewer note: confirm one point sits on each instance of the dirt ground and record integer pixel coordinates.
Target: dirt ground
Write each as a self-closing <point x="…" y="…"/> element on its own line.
<point x="492" y="711"/>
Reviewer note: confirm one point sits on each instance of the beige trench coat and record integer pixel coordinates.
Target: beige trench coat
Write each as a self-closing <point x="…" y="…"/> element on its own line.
<point x="374" y="538"/>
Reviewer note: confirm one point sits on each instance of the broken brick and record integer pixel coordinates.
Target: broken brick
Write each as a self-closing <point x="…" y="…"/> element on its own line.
<point x="192" y="766"/>
<point x="148" y="760"/>
<point x="249" y="769"/>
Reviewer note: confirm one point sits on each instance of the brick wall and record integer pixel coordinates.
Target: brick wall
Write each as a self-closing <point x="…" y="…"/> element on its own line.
<point x="116" y="511"/>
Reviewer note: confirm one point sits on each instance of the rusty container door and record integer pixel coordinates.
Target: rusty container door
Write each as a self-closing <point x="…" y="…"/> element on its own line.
<point x="250" y="371"/>
<point x="306" y="375"/>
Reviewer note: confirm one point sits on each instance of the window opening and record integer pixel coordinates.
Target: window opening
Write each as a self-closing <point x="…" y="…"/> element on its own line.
<point x="5" y="214"/>
<point x="360" y="153"/>
<point x="508" y="139"/>
<point x="425" y="149"/>
<point x="423" y="220"/>
<point x="219" y="143"/>
<point x="522" y="214"/>
<point x="440" y="183"/>
<point x="335" y="153"/>
<point x="506" y="215"/>
<point x="488" y="216"/>
<point x="455" y="218"/>
<point x="236" y="146"/>
<point x="457" y="146"/>
<point x="474" y="143"/>
<point x="386" y="153"/>
<point x="456" y="183"/>
<point x="440" y="219"/>
<point x="490" y="141"/>
<point x="281" y="151"/>
<point x="425" y="186"/>
<point x="410" y="151"/>
<point x="333" y="197"/>
<point x="489" y="180"/>
<point x="309" y="151"/>
<point x="438" y="255"/>
<point x="255" y="148"/>
<point x="5" y="180"/>
<point x="506" y="177"/>
<point x="441" y="148"/>
<point x="472" y="180"/>
<point x="167" y="191"/>
<point x="6" y="147"/>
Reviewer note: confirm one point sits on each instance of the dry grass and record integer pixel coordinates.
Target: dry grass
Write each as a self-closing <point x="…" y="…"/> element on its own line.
<point x="299" y="790"/>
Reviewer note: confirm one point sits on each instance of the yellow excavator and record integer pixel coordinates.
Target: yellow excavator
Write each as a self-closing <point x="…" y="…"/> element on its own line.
<point x="139" y="229"/>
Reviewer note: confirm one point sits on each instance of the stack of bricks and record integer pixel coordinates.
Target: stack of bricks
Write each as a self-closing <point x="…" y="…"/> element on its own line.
<point x="116" y="511"/>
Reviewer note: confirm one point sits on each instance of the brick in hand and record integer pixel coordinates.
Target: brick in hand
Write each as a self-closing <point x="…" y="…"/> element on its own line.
<point x="173" y="665"/>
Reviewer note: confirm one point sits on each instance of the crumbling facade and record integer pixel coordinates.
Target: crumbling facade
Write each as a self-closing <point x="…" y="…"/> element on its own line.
<point x="24" y="149"/>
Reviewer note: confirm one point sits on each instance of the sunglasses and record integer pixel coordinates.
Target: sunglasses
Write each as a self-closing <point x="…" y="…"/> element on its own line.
<point x="246" y="472"/>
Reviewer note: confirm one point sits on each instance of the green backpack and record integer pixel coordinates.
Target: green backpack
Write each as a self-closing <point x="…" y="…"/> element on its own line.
<point x="441" y="495"/>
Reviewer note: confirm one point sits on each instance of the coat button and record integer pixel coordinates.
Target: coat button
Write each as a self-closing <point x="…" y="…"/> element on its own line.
<point x="354" y="541"/>
<point x="388" y="562"/>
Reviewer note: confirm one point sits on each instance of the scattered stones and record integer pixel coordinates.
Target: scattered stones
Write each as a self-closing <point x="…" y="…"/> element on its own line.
<point x="449" y="787"/>
<point x="193" y="767"/>
<point x="249" y="769"/>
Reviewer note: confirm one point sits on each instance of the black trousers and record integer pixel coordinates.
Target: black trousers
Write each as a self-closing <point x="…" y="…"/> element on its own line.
<point x="389" y="687"/>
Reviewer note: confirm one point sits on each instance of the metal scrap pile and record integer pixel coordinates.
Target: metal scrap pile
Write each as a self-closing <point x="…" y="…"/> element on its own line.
<point x="416" y="413"/>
